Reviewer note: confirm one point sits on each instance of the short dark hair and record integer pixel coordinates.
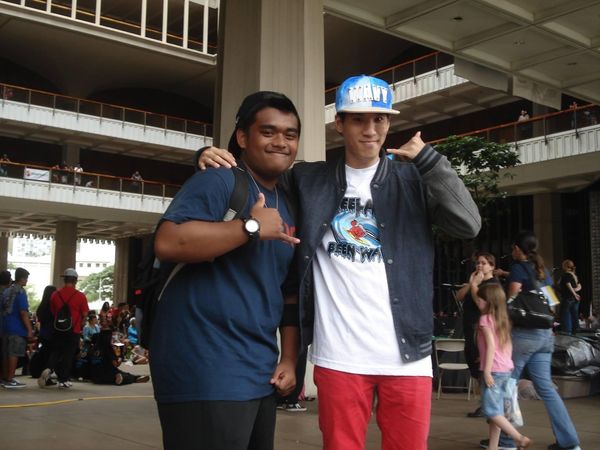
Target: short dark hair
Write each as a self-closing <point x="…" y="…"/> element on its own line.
<point x="21" y="274"/>
<point x="251" y="105"/>
<point x="70" y="280"/>
<point x="5" y="278"/>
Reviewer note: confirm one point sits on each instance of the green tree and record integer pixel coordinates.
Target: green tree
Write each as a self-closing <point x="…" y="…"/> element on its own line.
<point x="98" y="283"/>
<point x="32" y="297"/>
<point x="478" y="163"/>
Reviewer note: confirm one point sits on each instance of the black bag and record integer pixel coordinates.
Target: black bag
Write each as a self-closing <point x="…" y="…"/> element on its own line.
<point x="530" y="309"/>
<point x="62" y="320"/>
<point x="154" y="276"/>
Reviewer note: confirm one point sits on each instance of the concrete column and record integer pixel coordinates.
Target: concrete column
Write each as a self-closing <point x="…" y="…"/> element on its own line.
<point x="594" y="206"/>
<point x="538" y="126"/>
<point x="120" y="277"/>
<point x="65" y="249"/>
<point x="547" y="227"/>
<point x="70" y="154"/>
<point x="273" y="45"/>
<point x="3" y="252"/>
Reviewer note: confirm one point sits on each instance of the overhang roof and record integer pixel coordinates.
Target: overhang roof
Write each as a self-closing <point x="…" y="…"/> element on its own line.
<point x="552" y="43"/>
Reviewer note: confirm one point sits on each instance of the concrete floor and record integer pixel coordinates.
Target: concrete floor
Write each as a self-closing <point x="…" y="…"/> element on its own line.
<point x="93" y="417"/>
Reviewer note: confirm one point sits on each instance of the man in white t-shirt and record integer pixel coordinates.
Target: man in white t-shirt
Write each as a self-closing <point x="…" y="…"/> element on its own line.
<point x="365" y="264"/>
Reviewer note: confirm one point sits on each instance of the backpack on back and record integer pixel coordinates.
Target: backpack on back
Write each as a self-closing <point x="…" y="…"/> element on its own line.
<point x="62" y="319"/>
<point x="154" y="276"/>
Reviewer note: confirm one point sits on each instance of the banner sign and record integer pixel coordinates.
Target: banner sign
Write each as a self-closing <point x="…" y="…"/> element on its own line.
<point x="36" y="174"/>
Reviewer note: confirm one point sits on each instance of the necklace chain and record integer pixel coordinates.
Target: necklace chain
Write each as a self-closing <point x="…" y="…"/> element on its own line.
<point x="259" y="191"/>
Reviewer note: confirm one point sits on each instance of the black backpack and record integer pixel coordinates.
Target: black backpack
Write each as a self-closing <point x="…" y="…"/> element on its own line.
<point x="154" y="276"/>
<point x="62" y="319"/>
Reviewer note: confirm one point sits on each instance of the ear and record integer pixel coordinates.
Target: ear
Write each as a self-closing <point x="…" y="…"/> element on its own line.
<point x="339" y="124"/>
<point x="241" y="138"/>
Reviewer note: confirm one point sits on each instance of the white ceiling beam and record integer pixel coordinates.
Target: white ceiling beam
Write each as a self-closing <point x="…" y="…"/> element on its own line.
<point x="420" y="9"/>
<point x="580" y="80"/>
<point x="566" y="33"/>
<point x="542" y="58"/>
<point x="563" y="9"/>
<point x="506" y="9"/>
<point x="487" y="35"/>
<point x="359" y="15"/>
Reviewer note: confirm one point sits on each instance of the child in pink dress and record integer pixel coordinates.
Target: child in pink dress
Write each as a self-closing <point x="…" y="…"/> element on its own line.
<point x="495" y="350"/>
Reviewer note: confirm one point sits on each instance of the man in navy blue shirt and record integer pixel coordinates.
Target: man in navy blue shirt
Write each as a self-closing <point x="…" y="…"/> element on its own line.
<point x="214" y="352"/>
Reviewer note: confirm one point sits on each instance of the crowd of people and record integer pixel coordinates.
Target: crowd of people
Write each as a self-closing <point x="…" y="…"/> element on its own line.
<point x="516" y="350"/>
<point x="63" y="340"/>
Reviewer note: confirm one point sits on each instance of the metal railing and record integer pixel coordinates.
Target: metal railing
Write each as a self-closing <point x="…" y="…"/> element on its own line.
<point x="90" y="180"/>
<point x="103" y="110"/>
<point x="544" y="125"/>
<point x="64" y="8"/>
<point x="406" y="70"/>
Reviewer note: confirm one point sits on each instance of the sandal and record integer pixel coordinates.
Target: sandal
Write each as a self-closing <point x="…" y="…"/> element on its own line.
<point x="524" y="443"/>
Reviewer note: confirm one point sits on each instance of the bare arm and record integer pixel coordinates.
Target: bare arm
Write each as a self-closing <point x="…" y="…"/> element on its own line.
<point x="199" y="241"/>
<point x="514" y="288"/>
<point x="489" y="356"/>
<point x="27" y="322"/>
<point x="462" y="292"/>
<point x="573" y="290"/>
<point x="284" y="377"/>
<point x="474" y="282"/>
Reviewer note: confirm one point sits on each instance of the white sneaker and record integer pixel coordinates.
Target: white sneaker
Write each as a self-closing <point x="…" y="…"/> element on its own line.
<point x="65" y="385"/>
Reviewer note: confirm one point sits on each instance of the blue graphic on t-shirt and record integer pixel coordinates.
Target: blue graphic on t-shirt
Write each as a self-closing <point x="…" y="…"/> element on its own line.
<point x="355" y="231"/>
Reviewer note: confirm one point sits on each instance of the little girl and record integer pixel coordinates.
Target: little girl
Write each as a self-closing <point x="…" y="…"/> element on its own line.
<point x="495" y="350"/>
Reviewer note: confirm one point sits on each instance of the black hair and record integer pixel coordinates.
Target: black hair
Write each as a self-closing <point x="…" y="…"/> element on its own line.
<point x="21" y="274"/>
<point x="528" y="244"/>
<point x="5" y="278"/>
<point x="251" y="105"/>
<point x="70" y="280"/>
<point x="43" y="310"/>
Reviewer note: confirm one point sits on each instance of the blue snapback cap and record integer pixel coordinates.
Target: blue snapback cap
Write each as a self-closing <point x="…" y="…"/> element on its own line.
<point x="364" y="94"/>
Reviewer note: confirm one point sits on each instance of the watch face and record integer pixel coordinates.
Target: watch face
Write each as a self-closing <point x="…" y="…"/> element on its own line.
<point x="251" y="226"/>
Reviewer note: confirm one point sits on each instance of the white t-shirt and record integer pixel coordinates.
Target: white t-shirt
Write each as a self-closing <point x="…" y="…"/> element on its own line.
<point x="354" y="329"/>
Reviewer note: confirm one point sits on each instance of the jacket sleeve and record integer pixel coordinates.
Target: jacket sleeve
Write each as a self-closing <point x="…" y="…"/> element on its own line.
<point x="450" y="204"/>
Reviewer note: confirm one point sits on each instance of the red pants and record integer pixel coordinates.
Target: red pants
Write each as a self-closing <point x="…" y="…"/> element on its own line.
<point x="346" y="401"/>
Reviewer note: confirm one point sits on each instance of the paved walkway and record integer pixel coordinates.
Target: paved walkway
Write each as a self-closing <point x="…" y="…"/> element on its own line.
<point x="89" y="417"/>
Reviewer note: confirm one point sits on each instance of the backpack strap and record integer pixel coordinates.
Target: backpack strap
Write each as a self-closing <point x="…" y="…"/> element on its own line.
<point x="63" y="300"/>
<point x="239" y="196"/>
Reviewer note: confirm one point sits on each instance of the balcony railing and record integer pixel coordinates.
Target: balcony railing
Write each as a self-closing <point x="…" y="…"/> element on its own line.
<point x="571" y="119"/>
<point x="195" y="22"/>
<point x="89" y="180"/>
<point x="406" y="70"/>
<point x="103" y="110"/>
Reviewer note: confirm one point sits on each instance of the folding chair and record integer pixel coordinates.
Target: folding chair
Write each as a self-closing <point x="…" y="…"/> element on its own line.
<point x="451" y="346"/>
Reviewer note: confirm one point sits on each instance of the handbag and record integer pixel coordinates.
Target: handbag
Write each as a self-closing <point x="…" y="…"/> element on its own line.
<point x="530" y="309"/>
